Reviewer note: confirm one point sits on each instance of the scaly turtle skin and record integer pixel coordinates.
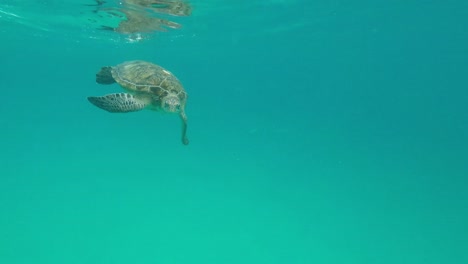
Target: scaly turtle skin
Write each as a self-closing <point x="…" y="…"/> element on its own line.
<point x="149" y="86"/>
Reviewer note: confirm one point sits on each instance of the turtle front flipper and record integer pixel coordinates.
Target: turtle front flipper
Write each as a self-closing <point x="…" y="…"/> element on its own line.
<point x="119" y="102"/>
<point x="185" y="140"/>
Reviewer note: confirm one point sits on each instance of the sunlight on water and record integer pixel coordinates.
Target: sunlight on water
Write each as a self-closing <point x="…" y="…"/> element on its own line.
<point x="11" y="17"/>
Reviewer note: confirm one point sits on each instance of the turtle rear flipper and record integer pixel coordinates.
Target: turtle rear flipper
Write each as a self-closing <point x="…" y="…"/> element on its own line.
<point x="119" y="102"/>
<point x="104" y="76"/>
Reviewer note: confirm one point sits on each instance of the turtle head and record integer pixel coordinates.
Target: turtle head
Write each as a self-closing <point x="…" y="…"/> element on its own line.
<point x="171" y="103"/>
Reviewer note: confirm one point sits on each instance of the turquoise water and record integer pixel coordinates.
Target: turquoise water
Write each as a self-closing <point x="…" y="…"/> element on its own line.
<point x="321" y="132"/>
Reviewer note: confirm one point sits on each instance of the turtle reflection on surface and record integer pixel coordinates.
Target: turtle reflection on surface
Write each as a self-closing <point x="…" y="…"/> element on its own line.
<point x="175" y="8"/>
<point x="135" y="22"/>
<point x="139" y="16"/>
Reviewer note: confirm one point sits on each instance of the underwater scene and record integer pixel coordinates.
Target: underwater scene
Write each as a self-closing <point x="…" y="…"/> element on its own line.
<point x="229" y="132"/>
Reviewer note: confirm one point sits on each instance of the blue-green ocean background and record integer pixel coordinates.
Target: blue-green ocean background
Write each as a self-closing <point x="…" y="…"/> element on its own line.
<point x="321" y="132"/>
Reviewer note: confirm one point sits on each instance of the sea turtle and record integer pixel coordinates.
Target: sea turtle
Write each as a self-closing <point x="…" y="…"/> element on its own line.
<point x="150" y="87"/>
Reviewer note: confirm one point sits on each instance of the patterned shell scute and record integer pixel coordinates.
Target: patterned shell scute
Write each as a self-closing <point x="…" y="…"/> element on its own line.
<point x="145" y="77"/>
